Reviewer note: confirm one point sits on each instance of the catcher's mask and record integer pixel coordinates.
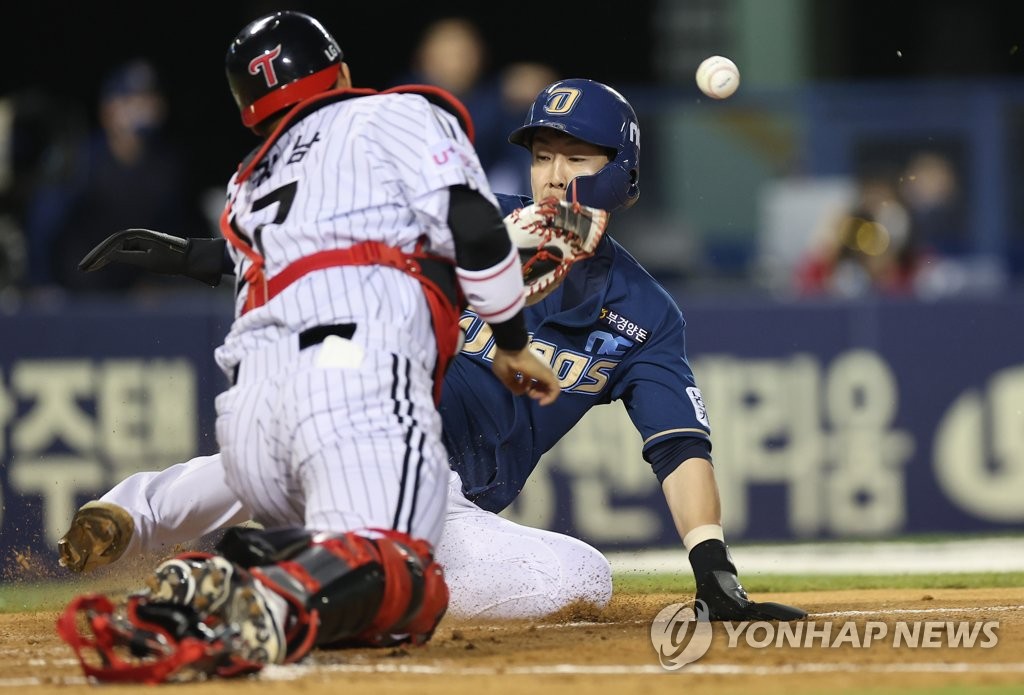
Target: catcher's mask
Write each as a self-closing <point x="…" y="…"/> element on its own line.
<point x="279" y="60"/>
<point x="597" y="114"/>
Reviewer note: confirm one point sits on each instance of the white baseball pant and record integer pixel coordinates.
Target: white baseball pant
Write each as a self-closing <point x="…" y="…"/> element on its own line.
<point x="339" y="436"/>
<point x="494" y="567"/>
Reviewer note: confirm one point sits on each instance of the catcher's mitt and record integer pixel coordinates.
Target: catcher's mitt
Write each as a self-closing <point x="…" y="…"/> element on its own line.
<point x="552" y="235"/>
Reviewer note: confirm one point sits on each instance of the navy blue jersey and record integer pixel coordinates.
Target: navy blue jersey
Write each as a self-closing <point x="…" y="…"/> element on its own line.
<point x="611" y="333"/>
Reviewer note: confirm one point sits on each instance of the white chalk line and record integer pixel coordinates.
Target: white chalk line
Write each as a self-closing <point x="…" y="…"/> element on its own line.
<point x="917" y="611"/>
<point x="30" y="681"/>
<point x="22" y="651"/>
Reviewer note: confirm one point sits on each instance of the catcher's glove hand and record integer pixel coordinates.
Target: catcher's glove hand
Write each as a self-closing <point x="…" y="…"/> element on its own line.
<point x="201" y="259"/>
<point x="552" y="235"/>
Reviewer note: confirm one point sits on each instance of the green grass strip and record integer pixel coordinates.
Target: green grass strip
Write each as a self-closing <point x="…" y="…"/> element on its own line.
<point x="43" y="596"/>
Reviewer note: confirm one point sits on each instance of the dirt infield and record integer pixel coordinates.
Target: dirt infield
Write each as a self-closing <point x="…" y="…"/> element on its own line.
<point x="607" y="650"/>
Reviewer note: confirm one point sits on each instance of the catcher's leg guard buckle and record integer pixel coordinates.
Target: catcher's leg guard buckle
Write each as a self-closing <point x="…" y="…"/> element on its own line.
<point x="416" y="594"/>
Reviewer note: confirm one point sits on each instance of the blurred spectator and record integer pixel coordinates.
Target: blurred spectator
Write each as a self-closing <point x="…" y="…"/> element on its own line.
<point x="38" y="133"/>
<point x="509" y="168"/>
<point x="124" y="174"/>
<point x="875" y="248"/>
<point x="452" y="54"/>
<point x="931" y="189"/>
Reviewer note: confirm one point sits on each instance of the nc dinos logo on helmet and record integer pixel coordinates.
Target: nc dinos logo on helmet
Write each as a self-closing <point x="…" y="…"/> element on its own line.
<point x="561" y="101"/>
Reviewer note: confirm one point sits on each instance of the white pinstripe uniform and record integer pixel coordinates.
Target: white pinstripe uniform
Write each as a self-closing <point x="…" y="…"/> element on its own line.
<point x="344" y="434"/>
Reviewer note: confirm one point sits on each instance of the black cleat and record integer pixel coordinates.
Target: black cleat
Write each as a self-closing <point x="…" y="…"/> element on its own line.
<point x="726" y="599"/>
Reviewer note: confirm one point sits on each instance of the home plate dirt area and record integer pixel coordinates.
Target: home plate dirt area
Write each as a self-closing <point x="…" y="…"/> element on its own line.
<point x="611" y="650"/>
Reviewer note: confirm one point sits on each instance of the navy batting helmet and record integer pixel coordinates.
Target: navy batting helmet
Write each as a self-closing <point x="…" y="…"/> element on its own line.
<point x="279" y="60"/>
<point x="594" y="113"/>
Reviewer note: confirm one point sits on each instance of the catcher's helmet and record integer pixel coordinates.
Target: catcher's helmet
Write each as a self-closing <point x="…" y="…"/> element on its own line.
<point x="594" y="113"/>
<point x="279" y="60"/>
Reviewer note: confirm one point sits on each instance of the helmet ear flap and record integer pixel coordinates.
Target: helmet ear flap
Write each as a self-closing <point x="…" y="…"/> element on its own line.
<point x="614" y="186"/>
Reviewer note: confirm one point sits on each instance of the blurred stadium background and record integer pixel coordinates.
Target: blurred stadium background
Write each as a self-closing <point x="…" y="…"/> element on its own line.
<point x="850" y="409"/>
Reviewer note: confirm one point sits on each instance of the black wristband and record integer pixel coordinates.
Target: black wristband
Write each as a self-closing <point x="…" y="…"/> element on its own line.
<point x="204" y="260"/>
<point x="511" y="334"/>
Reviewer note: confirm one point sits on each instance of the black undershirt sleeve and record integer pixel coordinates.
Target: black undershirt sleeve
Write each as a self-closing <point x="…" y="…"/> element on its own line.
<point x="482" y="242"/>
<point x="480" y="237"/>
<point x="667" y="455"/>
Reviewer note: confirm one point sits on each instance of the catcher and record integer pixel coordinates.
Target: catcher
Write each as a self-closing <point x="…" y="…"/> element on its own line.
<point x="357" y="228"/>
<point x="588" y="297"/>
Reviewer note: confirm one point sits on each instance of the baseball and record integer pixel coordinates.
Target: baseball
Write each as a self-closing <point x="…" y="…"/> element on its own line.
<point x="718" y="77"/>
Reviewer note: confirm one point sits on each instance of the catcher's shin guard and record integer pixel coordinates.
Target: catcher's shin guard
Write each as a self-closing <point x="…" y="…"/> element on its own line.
<point x="374" y="588"/>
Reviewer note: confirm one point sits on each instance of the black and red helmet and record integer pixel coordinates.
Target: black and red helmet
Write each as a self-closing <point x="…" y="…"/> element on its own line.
<point x="279" y="60"/>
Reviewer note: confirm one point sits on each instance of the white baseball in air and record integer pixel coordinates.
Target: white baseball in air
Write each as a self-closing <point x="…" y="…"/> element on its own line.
<point x="718" y="77"/>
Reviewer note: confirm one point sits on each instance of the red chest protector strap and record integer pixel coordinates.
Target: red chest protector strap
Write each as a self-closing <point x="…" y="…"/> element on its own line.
<point x="435" y="274"/>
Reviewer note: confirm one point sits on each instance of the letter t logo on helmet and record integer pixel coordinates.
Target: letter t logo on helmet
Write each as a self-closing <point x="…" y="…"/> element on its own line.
<point x="279" y="60"/>
<point x="265" y="64"/>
